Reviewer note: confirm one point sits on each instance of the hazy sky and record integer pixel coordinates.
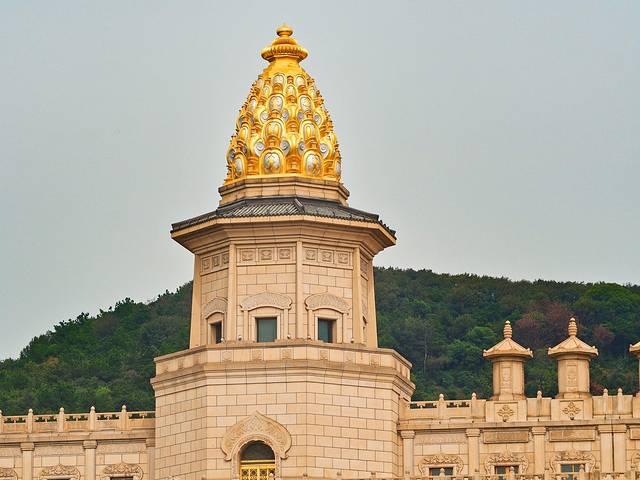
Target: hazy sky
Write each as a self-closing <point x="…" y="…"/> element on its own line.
<point x="498" y="138"/>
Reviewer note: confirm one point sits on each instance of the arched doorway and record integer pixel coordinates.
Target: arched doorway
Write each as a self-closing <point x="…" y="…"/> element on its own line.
<point x="257" y="462"/>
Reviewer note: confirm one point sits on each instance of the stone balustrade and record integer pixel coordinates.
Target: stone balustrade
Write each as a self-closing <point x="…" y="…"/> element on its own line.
<point x="76" y="422"/>
<point x="605" y="406"/>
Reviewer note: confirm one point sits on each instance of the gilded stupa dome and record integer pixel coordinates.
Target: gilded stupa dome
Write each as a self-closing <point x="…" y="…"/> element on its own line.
<point x="283" y="128"/>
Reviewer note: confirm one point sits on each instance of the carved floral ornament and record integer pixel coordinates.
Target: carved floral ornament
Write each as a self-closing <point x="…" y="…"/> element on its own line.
<point x="8" y="473"/>
<point x="256" y="427"/>
<point x="505" y="412"/>
<point x="122" y="470"/>
<point x="573" y="456"/>
<point x="60" y="471"/>
<point x="506" y="458"/>
<point x="266" y="299"/>
<point x="635" y="461"/>
<point x="326" y="300"/>
<point x="434" y="461"/>
<point x="571" y="410"/>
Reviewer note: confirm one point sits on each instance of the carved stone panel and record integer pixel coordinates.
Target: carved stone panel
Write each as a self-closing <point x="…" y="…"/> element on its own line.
<point x="122" y="470"/>
<point x="506" y="436"/>
<point x="8" y="474"/>
<point x="266" y="299"/>
<point x="572" y="435"/>
<point x="66" y="471"/>
<point x="432" y="461"/>
<point x="506" y="458"/>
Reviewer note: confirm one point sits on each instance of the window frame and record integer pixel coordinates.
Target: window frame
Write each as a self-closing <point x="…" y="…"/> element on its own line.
<point x="440" y="467"/>
<point x="258" y="319"/>
<point x="332" y="329"/>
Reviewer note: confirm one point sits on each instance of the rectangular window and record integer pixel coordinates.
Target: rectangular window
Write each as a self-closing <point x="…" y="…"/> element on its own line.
<point x="502" y="471"/>
<point x="325" y="330"/>
<point x="571" y="469"/>
<point x="216" y="332"/>
<point x="266" y="329"/>
<point x="436" y="471"/>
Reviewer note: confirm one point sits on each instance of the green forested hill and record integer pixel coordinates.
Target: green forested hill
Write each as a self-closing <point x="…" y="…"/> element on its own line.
<point x="440" y="322"/>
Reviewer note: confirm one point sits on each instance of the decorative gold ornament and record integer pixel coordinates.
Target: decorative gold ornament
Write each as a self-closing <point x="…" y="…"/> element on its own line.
<point x="283" y="128"/>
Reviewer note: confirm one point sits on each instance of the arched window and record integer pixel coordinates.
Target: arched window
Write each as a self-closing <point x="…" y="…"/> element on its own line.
<point x="257" y="462"/>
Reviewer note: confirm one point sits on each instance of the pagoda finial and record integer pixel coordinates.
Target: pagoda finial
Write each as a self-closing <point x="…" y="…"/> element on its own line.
<point x="284" y="46"/>
<point x="573" y="327"/>
<point x="507" y="331"/>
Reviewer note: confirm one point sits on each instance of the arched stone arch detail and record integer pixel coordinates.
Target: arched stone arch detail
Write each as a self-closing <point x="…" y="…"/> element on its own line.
<point x="433" y="461"/>
<point x="122" y="470"/>
<point x="266" y="299"/>
<point x="60" y="471"/>
<point x="573" y="456"/>
<point x="506" y="458"/>
<point x="321" y="304"/>
<point x="251" y="308"/>
<point x="326" y="300"/>
<point x="217" y="305"/>
<point x="255" y="427"/>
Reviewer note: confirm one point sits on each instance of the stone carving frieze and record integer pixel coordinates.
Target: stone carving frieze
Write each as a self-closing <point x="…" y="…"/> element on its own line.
<point x="573" y="456"/>
<point x="266" y="299"/>
<point x="66" y="471"/>
<point x="8" y="473"/>
<point x="326" y="300"/>
<point x="217" y="305"/>
<point x="506" y="458"/>
<point x="123" y="470"/>
<point x="256" y="427"/>
<point x="431" y="461"/>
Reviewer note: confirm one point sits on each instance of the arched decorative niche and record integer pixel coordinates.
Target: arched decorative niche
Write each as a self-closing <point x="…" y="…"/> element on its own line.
<point x="331" y="307"/>
<point x="266" y="304"/>
<point x="506" y="459"/>
<point x="122" y="470"/>
<point x="255" y="428"/>
<point x="214" y="316"/>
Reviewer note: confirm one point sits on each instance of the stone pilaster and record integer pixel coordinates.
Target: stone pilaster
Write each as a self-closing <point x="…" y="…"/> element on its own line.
<point x="89" y="447"/>
<point x="606" y="448"/>
<point x="407" y="451"/>
<point x="619" y="448"/>
<point x="473" y="446"/>
<point x="538" y="449"/>
<point x="27" y="449"/>
<point x="151" y="458"/>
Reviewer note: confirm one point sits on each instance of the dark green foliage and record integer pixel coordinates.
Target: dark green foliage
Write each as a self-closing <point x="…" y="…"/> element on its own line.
<point x="440" y="322"/>
<point x="105" y="361"/>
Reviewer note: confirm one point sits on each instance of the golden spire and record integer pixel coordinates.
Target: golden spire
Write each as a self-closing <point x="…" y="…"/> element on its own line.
<point x="283" y="128"/>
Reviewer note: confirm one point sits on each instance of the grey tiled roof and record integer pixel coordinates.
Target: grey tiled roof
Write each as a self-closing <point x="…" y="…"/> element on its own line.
<point x="280" y="206"/>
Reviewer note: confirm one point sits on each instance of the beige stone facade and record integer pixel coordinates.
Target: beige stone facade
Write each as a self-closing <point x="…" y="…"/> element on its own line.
<point x="283" y="377"/>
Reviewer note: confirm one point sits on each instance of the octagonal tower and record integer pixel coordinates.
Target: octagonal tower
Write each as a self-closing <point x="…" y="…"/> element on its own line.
<point x="283" y="353"/>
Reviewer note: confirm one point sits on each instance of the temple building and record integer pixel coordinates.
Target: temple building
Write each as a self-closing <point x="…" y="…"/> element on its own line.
<point x="283" y="377"/>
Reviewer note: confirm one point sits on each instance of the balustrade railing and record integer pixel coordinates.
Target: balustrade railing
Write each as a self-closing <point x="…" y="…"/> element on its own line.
<point x="70" y="422"/>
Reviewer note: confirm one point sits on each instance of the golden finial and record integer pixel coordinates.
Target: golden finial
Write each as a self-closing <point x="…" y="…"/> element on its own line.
<point x="284" y="46"/>
<point x="507" y="331"/>
<point x="284" y="30"/>
<point x="573" y="327"/>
